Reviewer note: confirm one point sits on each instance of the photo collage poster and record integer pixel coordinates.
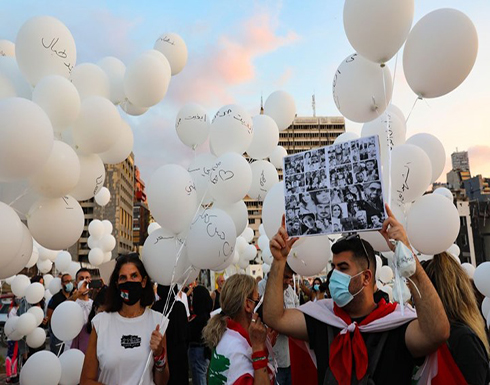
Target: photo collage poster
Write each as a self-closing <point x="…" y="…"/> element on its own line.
<point x="334" y="189"/>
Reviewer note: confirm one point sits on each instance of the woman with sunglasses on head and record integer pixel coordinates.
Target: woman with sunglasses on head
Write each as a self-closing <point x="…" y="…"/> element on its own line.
<point x="237" y="337"/>
<point x="126" y="332"/>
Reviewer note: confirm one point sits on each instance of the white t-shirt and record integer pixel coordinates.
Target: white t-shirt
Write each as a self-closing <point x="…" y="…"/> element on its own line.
<point x="123" y="346"/>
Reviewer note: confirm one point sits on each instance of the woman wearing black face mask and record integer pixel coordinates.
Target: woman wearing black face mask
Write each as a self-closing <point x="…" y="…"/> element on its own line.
<point x="126" y="332"/>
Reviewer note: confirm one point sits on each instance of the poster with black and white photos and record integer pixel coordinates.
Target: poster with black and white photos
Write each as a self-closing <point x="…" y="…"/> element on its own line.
<point x="334" y="189"/>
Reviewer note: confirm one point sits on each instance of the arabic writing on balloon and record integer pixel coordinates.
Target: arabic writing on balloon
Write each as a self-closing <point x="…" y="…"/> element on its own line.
<point x="190" y="188"/>
<point x="161" y="238"/>
<point x="68" y="206"/>
<point x="166" y="39"/>
<point x="201" y="118"/>
<point x="405" y="186"/>
<point x="98" y="182"/>
<point x="61" y="54"/>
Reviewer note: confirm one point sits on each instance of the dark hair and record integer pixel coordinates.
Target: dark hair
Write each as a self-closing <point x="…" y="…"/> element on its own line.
<point x="82" y="270"/>
<point x="202" y="304"/>
<point x="114" y="301"/>
<point x="317" y="279"/>
<point x="356" y="246"/>
<point x="64" y="275"/>
<point x="37" y="278"/>
<point x="99" y="301"/>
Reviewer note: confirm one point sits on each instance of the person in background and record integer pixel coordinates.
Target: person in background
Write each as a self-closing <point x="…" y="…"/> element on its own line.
<point x="215" y="295"/>
<point x="55" y="345"/>
<point x="237" y="337"/>
<point x="127" y="332"/>
<point x="11" y="360"/>
<point x="81" y="297"/>
<point x="177" y="334"/>
<point x="312" y="292"/>
<point x="199" y="356"/>
<point x="468" y="342"/>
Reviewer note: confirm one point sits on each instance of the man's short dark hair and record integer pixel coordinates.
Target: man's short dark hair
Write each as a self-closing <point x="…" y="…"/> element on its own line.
<point x="82" y="270"/>
<point x="357" y="249"/>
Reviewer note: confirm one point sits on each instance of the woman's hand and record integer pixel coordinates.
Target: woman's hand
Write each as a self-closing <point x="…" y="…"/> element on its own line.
<point x="156" y="342"/>
<point x="258" y="333"/>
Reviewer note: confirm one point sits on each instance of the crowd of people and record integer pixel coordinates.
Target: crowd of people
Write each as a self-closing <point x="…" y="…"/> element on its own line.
<point x="337" y="329"/>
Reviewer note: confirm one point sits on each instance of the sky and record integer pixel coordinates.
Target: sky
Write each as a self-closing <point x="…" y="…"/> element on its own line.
<point x="241" y="50"/>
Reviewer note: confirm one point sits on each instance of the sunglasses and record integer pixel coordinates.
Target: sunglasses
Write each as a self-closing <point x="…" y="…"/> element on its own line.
<point x="255" y="301"/>
<point x="351" y="237"/>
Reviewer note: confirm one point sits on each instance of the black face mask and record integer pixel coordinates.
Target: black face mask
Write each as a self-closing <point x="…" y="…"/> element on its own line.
<point x="130" y="292"/>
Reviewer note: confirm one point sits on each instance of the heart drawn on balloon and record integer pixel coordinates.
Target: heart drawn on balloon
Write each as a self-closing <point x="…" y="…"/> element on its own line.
<point x="226" y="175"/>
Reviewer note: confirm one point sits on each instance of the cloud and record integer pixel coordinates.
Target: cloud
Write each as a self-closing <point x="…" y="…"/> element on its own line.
<point x="479" y="160"/>
<point x="209" y="77"/>
<point x="285" y="77"/>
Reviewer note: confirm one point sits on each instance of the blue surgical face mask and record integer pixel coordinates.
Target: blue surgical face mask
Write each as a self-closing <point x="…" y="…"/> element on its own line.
<point x="69" y="287"/>
<point x="339" y="288"/>
<point x="316" y="287"/>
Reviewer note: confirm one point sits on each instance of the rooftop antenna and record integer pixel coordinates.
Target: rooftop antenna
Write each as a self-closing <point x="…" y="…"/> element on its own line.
<point x="313" y="104"/>
<point x="261" y="104"/>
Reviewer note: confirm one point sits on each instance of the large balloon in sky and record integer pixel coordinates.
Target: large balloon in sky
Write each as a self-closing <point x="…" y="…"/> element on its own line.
<point x="92" y="176"/>
<point x="7" y="48"/>
<point x="23" y="256"/>
<point x="44" y="46"/>
<point x="281" y="107"/>
<point x="199" y="169"/>
<point x="361" y="89"/>
<point x="115" y="70"/>
<point x="174" y="49"/>
<point x="26" y="138"/>
<point x="265" y="138"/>
<point x="273" y="209"/>
<point x="10" y="233"/>
<point x="90" y="80"/>
<point x="440" y="52"/>
<point x="122" y="148"/>
<point x="231" y="130"/>
<point x="434" y="150"/>
<point x="172" y="197"/>
<point x="192" y="125"/>
<point x="12" y="82"/>
<point x="378" y="29"/>
<point x="264" y="176"/>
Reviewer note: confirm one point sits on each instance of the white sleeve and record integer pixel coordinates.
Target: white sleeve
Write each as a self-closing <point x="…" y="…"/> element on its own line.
<point x="97" y="322"/>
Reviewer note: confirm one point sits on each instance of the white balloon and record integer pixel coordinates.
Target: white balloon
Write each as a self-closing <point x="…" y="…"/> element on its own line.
<point x="243" y="263"/>
<point x="90" y="80"/>
<point x="469" y="269"/>
<point x="115" y="70"/>
<point x="107" y="226"/>
<point x="18" y="262"/>
<point x="265" y="137"/>
<point x="26" y="138"/>
<point x="481" y="280"/>
<point x="211" y="239"/>
<point x="385" y="274"/>
<point x="60" y="174"/>
<point x="264" y="177"/>
<point x="228" y="262"/>
<point x="411" y="172"/>
<point x="263" y="242"/>
<point x="359" y="91"/>
<point x="281" y="107"/>
<point x="267" y="256"/>
<point x="20" y="285"/>
<point x="59" y="98"/>
<point x="266" y="268"/>
<point x="199" y="170"/>
<point x="67" y="320"/>
<point x="376" y="240"/>
<point x="92" y="176"/>
<point x="37" y="337"/>
<point x="107" y="256"/>
<point x="277" y="156"/>
<point x="41" y="365"/>
<point x="444" y="192"/>
<point x="434" y="150"/>
<point x="37" y="312"/>
<point x="146" y="80"/>
<point x="107" y="243"/>
<point x="172" y="197"/>
<point x="12" y="82"/>
<point x="96" y="256"/>
<point x="454" y="250"/>
<point x="96" y="228"/>
<point x="377" y="30"/>
<point x="192" y="125"/>
<point x="248" y="234"/>
<point x="11" y="234"/>
<point x="56" y="223"/>
<point x="103" y="196"/>
<point x="10" y="325"/>
<point x="54" y="286"/>
<point x="18" y="195"/>
<point x="47" y="295"/>
<point x="249" y="253"/>
<point x="47" y="279"/>
<point x="97" y="127"/>
<point x="34" y="293"/>
<point x="231" y="130"/>
<point x="345" y="137"/>
<point x="390" y="130"/>
<point x="131" y="109"/>
<point x="152" y="227"/>
<point x="238" y="212"/>
<point x="122" y="148"/>
<point x="7" y="48"/>
<point x="485" y="307"/>
<point x="311" y="256"/>
<point x="273" y="209"/>
<point x="71" y="366"/>
<point x="44" y="266"/>
<point x="175" y="50"/>
<point x="241" y="244"/>
<point x="26" y="323"/>
<point x="432" y="224"/>
<point x="34" y="257"/>
<point x="44" y="46"/>
<point x="230" y="178"/>
<point x="446" y="42"/>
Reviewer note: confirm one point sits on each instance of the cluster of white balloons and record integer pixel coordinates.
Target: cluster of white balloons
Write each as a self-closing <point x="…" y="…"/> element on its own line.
<point x="60" y="124"/>
<point x="482" y="283"/>
<point x="101" y="241"/>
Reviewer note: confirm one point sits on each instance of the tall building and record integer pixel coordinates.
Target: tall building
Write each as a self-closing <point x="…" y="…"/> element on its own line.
<point x="305" y="133"/>
<point x="119" y="211"/>
<point x="460" y="161"/>
<point x="141" y="212"/>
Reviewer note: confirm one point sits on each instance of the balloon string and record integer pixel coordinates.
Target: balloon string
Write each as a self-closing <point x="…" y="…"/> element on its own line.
<point x="416" y="100"/>
<point x="394" y="72"/>
<point x="24" y="193"/>
<point x="388" y="172"/>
